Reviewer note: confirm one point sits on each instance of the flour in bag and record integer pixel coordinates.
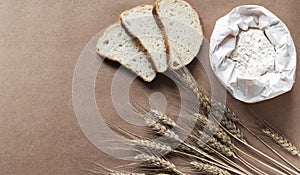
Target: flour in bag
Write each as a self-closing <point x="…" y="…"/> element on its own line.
<point x="254" y="55"/>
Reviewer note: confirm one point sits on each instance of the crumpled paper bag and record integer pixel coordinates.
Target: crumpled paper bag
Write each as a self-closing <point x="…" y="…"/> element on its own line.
<point x="223" y="42"/>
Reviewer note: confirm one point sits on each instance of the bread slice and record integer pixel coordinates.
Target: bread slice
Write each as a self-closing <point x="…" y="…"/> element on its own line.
<point x="141" y="25"/>
<point x="182" y="30"/>
<point x="116" y="45"/>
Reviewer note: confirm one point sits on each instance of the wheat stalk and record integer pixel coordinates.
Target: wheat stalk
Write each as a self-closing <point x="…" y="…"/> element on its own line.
<point x="209" y="169"/>
<point x="282" y="141"/>
<point x="159" y="162"/>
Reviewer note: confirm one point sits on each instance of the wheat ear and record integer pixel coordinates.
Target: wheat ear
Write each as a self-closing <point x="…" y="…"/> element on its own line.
<point x="214" y="128"/>
<point x="228" y="124"/>
<point x="219" y="110"/>
<point x="166" y="120"/>
<point x="210" y="141"/>
<point x="150" y="145"/>
<point x="282" y="141"/>
<point x="205" y="101"/>
<point x="215" y="144"/>
<point x="232" y="128"/>
<point x="275" y="162"/>
<point x="223" y="109"/>
<point x="209" y="169"/>
<point x="163" y="148"/>
<point x="161" y="129"/>
<point x="159" y="162"/>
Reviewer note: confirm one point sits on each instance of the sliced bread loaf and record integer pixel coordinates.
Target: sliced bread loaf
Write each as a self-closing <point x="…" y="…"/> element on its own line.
<point x="116" y="45"/>
<point x="140" y="24"/>
<point x="182" y="30"/>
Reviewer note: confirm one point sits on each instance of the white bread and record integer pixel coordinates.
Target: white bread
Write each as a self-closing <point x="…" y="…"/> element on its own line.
<point x="116" y="45"/>
<point x="141" y="25"/>
<point x="182" y="30"/>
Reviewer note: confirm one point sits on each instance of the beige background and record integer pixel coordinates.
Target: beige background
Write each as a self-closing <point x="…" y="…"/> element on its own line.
<point x="40" y="42"/>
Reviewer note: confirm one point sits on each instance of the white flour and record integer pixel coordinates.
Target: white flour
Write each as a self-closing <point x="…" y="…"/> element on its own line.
<point x="254" y="55"/>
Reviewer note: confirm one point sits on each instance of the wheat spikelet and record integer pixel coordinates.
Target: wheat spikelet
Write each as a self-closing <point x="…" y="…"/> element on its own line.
<point x="159" y="162"/>
<point x="152" y="146"/>
<point x="209" y="169"/>
<point x="282" y="141"/>
<point x="212" y="142"/>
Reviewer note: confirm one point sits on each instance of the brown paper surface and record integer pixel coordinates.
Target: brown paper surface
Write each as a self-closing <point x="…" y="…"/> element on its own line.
<point x="40" y="43"/>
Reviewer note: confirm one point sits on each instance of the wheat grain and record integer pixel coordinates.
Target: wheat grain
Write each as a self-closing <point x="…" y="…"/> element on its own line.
<point x="282" y="141"/>
<point x="209" y="169"/>
<point x="211" y="142"/>
<point x="159" y="162"/>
